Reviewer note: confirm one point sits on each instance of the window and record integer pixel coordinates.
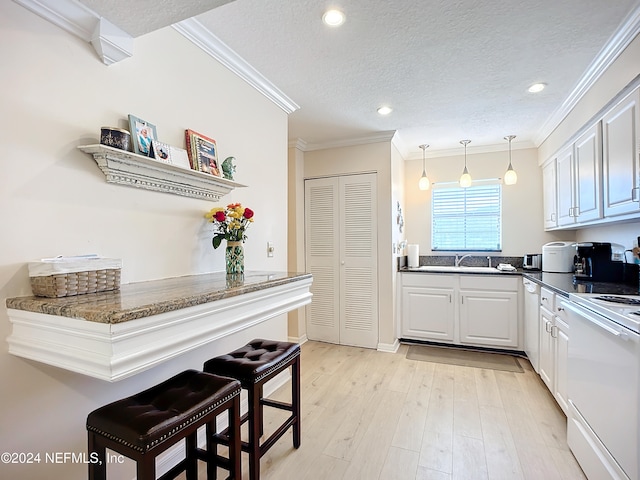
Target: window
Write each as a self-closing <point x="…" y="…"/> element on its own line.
<point x="467" y="218"/>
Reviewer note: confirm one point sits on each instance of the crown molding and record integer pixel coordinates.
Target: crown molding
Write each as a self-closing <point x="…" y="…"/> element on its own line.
<point x="385" y="136"/>
<point x="200" y="36"/>
<point x="625" y="34"/>
<point x="110" y="42"/>
<point x="298" y="143"/>
<point x="458" y="151"/>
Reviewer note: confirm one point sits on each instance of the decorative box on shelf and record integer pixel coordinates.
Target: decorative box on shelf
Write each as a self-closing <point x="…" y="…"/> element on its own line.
<point x="67" y="276"/>
<point x="126" y="168"/>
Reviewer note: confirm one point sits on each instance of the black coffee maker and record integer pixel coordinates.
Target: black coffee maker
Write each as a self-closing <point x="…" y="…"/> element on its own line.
<point x="597" y="262"/>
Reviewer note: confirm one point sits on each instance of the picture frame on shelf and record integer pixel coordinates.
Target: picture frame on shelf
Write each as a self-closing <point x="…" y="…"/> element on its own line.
<point x="142" y="134"/>
<point x="204" y="153"/>
<point x="161" y="151"/>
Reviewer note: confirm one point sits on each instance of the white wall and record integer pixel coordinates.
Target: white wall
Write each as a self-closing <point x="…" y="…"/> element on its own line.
<point x="522" y="218"/>
<point x="55" y="95"/>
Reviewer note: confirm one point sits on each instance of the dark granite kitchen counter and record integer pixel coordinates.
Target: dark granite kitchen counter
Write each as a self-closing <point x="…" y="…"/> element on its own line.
<point x="564" y="284"/>
<point x="143" y="299"/>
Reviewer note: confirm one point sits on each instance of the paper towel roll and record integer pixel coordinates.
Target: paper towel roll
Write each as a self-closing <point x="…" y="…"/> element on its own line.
<point x="414" y="256"/>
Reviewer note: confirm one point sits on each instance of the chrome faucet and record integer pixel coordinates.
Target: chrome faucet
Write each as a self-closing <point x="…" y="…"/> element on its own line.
<point x="458" y="260"/>
<point x="489" y="258"/>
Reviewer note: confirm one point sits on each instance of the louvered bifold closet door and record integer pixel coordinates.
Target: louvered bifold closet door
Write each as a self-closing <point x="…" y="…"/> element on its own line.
<point x="358" y="251"/>
<point x="341" y="253"/>
<point x="322" y="258"/>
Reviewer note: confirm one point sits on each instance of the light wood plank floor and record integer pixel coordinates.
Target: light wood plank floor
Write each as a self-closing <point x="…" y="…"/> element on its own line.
<point x="372" y="415"/>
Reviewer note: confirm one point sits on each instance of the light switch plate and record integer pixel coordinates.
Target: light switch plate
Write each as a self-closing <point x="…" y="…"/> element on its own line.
<point x="270" y="249"/>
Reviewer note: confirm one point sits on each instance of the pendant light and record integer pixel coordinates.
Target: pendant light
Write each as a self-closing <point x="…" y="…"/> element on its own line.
<point x="510" y="177"/>
<point x="465" y="179"/>
<point x="423" y="183"/>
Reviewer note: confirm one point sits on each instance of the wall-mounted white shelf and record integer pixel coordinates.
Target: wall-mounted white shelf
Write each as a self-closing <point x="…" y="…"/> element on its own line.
<point x="126" y="168"/>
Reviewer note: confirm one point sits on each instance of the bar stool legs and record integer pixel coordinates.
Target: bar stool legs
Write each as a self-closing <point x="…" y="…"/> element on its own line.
<point x="254" y="365"/>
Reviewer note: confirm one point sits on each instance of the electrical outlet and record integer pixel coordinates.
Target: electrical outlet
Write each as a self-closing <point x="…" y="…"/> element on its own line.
<point x="270" y="249"/>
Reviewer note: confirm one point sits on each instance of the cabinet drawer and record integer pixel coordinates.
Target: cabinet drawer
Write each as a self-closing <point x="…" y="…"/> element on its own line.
<point x="547" y="299"/>
<point x="559" y="311"/>
<point x="428" y="280"/>
<point x="489" y="282"/>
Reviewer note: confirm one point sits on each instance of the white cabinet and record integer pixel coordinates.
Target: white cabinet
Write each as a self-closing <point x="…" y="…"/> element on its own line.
<point x="564" y="187"/>
<point x="547" y="352"/>
<point x="596" y="178"/>
<point x="560" y="336"/>
<point x="478" y="310"/>
<point x="578" y="179"/>
<point x="428" y="308"/>
<point x="531" y="320"/>
<point x="621" y="156"/>
<point x="549" y="194"/>
<point x="587" y="175"/>
<point x="489" y="311"/>
<point x="554" y="348"/>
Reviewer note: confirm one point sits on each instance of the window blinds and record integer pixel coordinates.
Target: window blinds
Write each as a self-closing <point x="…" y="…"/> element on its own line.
<point x="467" y="218"/>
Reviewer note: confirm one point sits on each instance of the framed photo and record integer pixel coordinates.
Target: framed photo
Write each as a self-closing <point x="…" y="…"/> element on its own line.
<point x="142" y="134"/>
<point x="161" y="151"/>
<point x="204" y="153"/>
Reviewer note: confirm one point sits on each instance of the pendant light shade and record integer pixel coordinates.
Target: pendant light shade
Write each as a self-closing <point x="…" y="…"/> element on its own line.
<point x="465" y="179"/>
<point x="423" y="183"/>
<point x="510" y="177"/>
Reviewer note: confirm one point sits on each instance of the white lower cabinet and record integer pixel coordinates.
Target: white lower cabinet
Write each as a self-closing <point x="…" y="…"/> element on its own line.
<point x="428" y="309"/>
<point x="489" y="311"/>
<point x="429" y="313"/>
<point x="547" y="352"/>
<point x="479" y="310"/>
<point x="554" y="348"/>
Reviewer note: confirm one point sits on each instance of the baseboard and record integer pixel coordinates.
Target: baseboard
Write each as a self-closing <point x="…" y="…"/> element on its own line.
<point x="175" y="454"/>
<point x="299" y="340"/>
<point x="389" y="347"/>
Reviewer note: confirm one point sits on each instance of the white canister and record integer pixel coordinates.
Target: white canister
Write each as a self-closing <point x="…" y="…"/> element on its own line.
<point x="413" y="252"/>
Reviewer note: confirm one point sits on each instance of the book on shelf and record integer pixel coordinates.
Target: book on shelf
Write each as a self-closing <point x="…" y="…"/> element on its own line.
<point x="203" y="153"/>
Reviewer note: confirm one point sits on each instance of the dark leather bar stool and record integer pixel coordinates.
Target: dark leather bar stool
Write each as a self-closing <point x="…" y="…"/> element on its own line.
<point x="255" y="364"/>
<point x="148" y="423"/>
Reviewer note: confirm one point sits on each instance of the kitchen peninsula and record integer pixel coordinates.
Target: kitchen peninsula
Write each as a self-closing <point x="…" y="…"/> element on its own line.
<point x="113" y="335"/>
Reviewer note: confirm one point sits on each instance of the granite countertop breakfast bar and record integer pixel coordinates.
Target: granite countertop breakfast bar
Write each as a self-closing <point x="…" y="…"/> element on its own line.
<point x="113" y="335"/>
<point x="143" y="299"/>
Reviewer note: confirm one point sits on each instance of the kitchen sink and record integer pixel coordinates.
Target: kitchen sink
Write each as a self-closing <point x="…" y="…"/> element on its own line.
<point x="452" y="269"/>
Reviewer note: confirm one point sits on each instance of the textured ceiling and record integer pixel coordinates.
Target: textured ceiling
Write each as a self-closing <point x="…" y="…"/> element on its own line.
<point x="451" y="69"/>
<point x="143" y="16"/>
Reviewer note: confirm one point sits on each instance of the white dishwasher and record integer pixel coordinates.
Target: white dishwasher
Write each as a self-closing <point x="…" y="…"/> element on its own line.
<point x="604" y="384"/>
<point x="531" y="322"/>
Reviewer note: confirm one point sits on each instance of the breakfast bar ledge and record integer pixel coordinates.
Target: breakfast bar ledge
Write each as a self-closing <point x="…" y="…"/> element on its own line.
<point x="114" y="335"/>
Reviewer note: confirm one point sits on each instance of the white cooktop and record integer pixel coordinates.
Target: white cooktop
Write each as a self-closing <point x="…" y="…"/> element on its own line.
<point x="612" y="307"/>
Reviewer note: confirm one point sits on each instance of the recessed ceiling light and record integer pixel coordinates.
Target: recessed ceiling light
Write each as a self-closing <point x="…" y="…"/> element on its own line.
<point x="333" y="18"/>
<point x="385" y="110"/>
<point x="536" y="87"/>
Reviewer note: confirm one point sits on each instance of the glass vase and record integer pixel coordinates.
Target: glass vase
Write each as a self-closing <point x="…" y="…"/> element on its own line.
<point x="234" y="257"/>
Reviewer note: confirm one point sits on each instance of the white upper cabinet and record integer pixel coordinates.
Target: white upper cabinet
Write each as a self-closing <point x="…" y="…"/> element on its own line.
<point x="587" y="175"/>
<point x="549" y="194"/>
<point x="564" y="187"/>
<point x="579" y="179"/>
<point x="621" y="156"/>
<point x="596" y="178"/>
